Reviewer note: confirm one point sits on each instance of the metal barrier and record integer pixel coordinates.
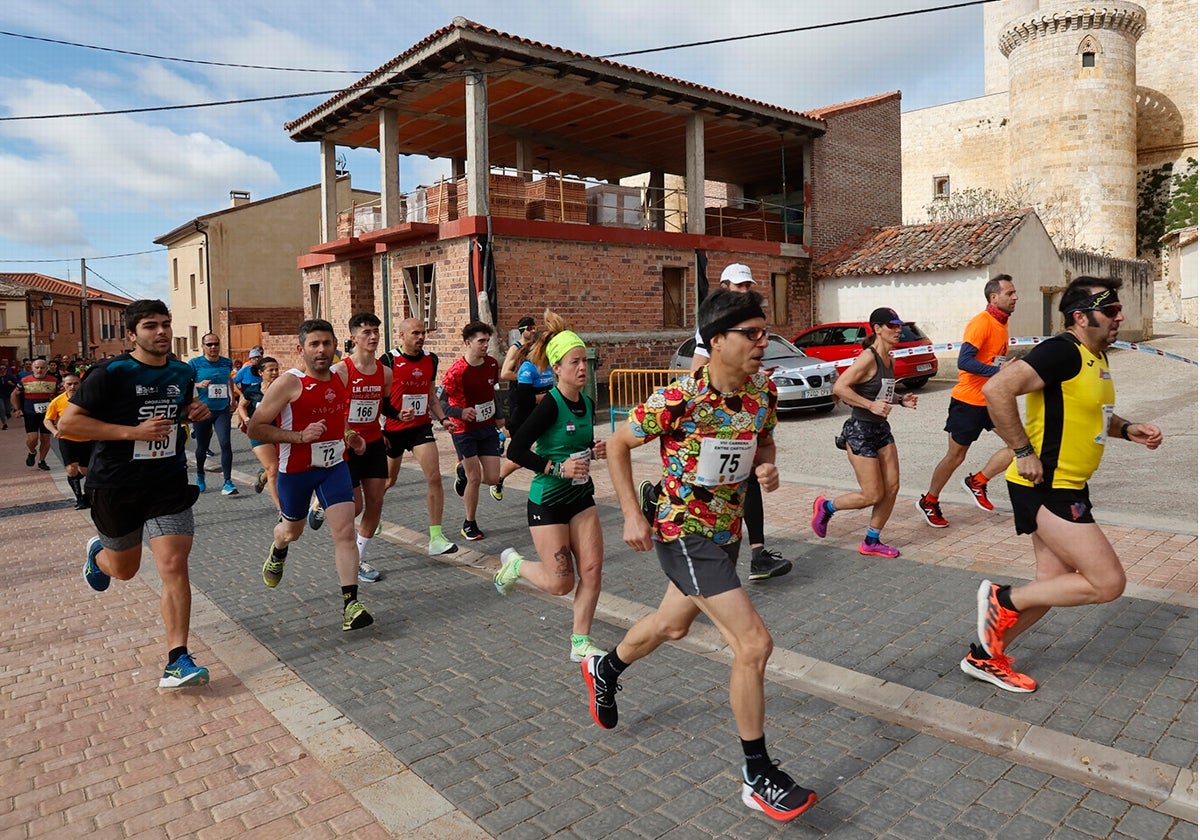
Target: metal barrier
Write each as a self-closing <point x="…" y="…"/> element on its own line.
<point x="628" y="388"/>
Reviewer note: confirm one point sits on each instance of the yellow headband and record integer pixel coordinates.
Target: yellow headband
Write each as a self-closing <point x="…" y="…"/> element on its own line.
<point x="561" y="344"/>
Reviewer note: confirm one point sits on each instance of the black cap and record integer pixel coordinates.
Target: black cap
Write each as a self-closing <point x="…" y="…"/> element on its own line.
<point x="884" y="315"/>
<point x="525" y="323"/>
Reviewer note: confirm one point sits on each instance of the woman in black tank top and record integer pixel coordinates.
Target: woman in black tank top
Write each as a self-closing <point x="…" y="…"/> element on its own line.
<point x="869" y="388"/>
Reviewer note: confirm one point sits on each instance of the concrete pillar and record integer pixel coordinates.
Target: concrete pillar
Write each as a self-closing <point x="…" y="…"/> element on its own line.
<point x="328" y="191"/>
<point x="694" y="151"/>
<point x="524" y="159"/>
<point x="478" y="163"/>
<point x="389" y="168"/>
<point x="656" y="196"/>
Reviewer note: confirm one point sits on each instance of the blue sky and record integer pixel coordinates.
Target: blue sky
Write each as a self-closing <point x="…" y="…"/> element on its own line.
<point x="105" y="185"/>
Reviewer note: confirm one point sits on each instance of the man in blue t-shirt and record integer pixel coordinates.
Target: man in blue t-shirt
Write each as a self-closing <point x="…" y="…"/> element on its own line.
<point x="214" y="388"/>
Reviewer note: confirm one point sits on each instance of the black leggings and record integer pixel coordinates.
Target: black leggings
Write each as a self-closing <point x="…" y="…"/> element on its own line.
<point x="752" y="513"/>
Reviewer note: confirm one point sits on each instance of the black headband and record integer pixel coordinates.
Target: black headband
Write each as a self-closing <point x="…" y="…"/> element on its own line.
<point x="1095" y="301"/>
<point x="750" y="309"/>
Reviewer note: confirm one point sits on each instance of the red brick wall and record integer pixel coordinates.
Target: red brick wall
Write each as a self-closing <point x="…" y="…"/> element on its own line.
<point x="856" y="173"/>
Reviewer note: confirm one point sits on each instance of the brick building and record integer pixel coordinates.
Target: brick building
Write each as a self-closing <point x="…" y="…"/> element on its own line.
<point x="615" y="249"/>
<point x="44" y="316"/>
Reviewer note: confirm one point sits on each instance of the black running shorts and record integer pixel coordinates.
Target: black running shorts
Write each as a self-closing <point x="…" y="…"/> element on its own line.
<point x="698" y="566"/>
<point x="1065" y="503"/>
<point x="371" y="464"/>
<point x="407" y="439"/>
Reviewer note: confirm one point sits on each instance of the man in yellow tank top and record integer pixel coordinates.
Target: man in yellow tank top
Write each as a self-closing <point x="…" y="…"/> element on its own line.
<point x="1069" y="417"/>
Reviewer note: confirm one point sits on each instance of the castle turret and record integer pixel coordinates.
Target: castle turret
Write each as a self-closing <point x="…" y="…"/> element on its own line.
<point x="1073" y="109"/>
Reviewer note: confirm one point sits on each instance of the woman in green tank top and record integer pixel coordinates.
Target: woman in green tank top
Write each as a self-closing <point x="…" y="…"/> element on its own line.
<point x="555" y="443"/>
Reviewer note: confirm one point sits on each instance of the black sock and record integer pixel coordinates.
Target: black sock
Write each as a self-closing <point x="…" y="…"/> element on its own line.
<point x="611" y="666"/>
<point x="76" y="484"/>
<point x="279" y="553"/>
<point x="349" y="593"/>
<point x="757" y="760"/>
<point x="1003" y="595"/>
<point x="175" y="654"/>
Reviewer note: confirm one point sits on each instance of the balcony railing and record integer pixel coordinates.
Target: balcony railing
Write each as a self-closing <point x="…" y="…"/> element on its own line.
<point x="553" y="197"/>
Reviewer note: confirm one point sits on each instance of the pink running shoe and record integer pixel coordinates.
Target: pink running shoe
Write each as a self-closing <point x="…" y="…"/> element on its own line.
<point x="821" y="517"/>
<point x="878" y="549"/>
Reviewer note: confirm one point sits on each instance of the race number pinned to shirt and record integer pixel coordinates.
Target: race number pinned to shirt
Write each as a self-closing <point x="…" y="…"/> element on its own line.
<point x="887" y="390"/>
<point x="485" y="411"/>
<point x="327" y="453"/>
<point x="40" y="408"/>
<point x="364" y="411"/>
<point x="218" y="391"/>
<point x="999" y="360"/>
<point x="725" y="461"/>
<point x="1107" y="410"/>
<point x="419" y="403"/>
<point x="154" y="449"/>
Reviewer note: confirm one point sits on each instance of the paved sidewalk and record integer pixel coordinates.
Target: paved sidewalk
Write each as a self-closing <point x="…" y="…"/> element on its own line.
<point x="458" y="715"/>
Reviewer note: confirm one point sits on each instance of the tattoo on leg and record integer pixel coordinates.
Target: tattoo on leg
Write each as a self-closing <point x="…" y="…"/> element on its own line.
<point x="562" y="562"/>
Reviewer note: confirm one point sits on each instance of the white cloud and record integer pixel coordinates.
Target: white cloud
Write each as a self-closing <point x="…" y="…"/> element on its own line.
<point x="156" y="81"/>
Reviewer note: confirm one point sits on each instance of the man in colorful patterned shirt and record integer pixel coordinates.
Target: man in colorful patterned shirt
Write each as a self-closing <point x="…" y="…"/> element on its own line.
<point x="714" y="429"/>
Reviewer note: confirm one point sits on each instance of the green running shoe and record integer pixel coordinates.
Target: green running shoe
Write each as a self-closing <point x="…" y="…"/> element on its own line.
<point x="583" y="648"/>
<point x="273" y="568"/>
<point x="355" y="616"/>
<point x="510" y="571"/>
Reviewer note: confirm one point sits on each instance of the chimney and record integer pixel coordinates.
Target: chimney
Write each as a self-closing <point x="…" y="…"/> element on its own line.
<point x="239" y="197"/>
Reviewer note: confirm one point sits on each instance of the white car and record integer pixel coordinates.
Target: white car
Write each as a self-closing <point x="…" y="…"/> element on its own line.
<point x="802" y="381"/>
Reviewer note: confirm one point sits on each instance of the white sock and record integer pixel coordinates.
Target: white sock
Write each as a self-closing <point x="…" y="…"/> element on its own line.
<point x="363" y="543"/>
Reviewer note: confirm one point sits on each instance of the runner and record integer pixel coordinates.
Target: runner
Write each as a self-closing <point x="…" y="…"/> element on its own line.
<point x="76" y="454"/>
<point x="713" y="429"/>
<point x="563" y="520"/>
<point x="469" y="399"/>
<point x="984" y="345"/>
<point x="310" y="405"/>
<point x="132" y="405"/>
<point x="369" y="384"/>
<point x="214" y="374"/>
<point x="869" y="387"/>
<point x="32" y="395"/>
<point x="1069" y="416"/>
<point x="266" y="371"/>
<point x="764" y="563"/>
<point x="414" y="371"/>
<point x="9" y="377"/>
<point x="530" y="384"/>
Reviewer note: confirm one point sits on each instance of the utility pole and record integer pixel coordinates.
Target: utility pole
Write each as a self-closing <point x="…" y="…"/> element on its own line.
<point x="84" y="350"/>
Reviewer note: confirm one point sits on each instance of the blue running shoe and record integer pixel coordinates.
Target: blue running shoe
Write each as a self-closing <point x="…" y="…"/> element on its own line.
<point x="91" y="572"/>
<point x="183" y="671"/>
<point x="200" y="482"/>
<point x="230" y="489"/>
<point x="316" y="516"/>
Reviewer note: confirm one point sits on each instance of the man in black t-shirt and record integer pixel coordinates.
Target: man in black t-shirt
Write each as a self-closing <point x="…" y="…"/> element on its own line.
<point x="133" y="406"/>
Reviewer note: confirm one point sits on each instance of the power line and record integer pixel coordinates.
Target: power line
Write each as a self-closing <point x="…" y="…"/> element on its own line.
<point x="102" y="257"/>
<point x="459" y="75"/>
<point x="175" y="58"/>
<point x="109" y="282"/>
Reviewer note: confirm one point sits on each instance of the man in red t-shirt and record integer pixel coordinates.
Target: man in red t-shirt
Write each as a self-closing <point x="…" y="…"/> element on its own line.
<point x="469" y="400"/>
<point x="31" y="397"/>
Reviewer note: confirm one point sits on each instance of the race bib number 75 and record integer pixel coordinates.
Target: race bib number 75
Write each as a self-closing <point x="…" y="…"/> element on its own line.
<point x="725" y="461"/>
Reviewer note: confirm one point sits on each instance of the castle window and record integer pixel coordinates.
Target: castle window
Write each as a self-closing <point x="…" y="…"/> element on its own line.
<point x="1089" y="59"/>
<point x="941" y="186"/>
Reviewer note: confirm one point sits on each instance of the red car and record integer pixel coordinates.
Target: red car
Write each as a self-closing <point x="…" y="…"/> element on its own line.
<point x="844" y="340"/>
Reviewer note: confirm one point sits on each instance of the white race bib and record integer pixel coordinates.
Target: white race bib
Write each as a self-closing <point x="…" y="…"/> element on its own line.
<point x="364" y="411"/>
<point x="887" y="390"/>
<point x="152" y="449"/>
<point x="725" y="461"/>
<point x="485" y="411"/>
<point x="419" y="403"/>
<point x="999" y="360"/>
<point x="1102" y="438"/>
<point x="40" y="408"/>
<point x="327" y="453"/>
<point x="584" y="455"/>
<point x="218" y="391"/>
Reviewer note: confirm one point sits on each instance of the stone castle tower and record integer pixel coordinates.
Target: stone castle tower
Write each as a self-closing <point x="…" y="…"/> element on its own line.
<point x="1080" y="101"/>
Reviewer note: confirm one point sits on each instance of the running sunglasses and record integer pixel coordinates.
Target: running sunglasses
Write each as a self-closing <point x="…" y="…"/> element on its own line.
<point x="1110" y="311"/>
<point x="754" y="334"/>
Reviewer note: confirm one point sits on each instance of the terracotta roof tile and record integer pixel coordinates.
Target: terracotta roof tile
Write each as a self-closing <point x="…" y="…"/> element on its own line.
<point x="853" y="105"/>
<point x="43" y="283"/>
<point x="901" y="249"/>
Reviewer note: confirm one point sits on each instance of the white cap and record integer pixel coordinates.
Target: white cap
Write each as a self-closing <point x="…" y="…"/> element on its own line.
<point x="736" y="273"/>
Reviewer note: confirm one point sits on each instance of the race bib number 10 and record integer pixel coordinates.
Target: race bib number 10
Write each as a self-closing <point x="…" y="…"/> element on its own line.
<point x="724" y="461"/>
<point x="419" y="403"/>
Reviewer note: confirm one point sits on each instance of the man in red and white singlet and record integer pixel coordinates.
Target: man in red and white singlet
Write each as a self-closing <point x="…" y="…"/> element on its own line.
<point x="310" y="404"/>
<point x="469" y="398"/>
<point x="412" y="394"/>
<point x="368" y="383"/>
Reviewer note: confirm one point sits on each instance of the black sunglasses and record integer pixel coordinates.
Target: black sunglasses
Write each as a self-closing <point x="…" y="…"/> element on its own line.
<point x="206" y="344"/>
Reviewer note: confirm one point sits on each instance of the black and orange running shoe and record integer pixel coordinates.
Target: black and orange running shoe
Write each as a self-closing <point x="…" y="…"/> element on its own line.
<point x="998" y="670"/>
<point x="992" y="619"/>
